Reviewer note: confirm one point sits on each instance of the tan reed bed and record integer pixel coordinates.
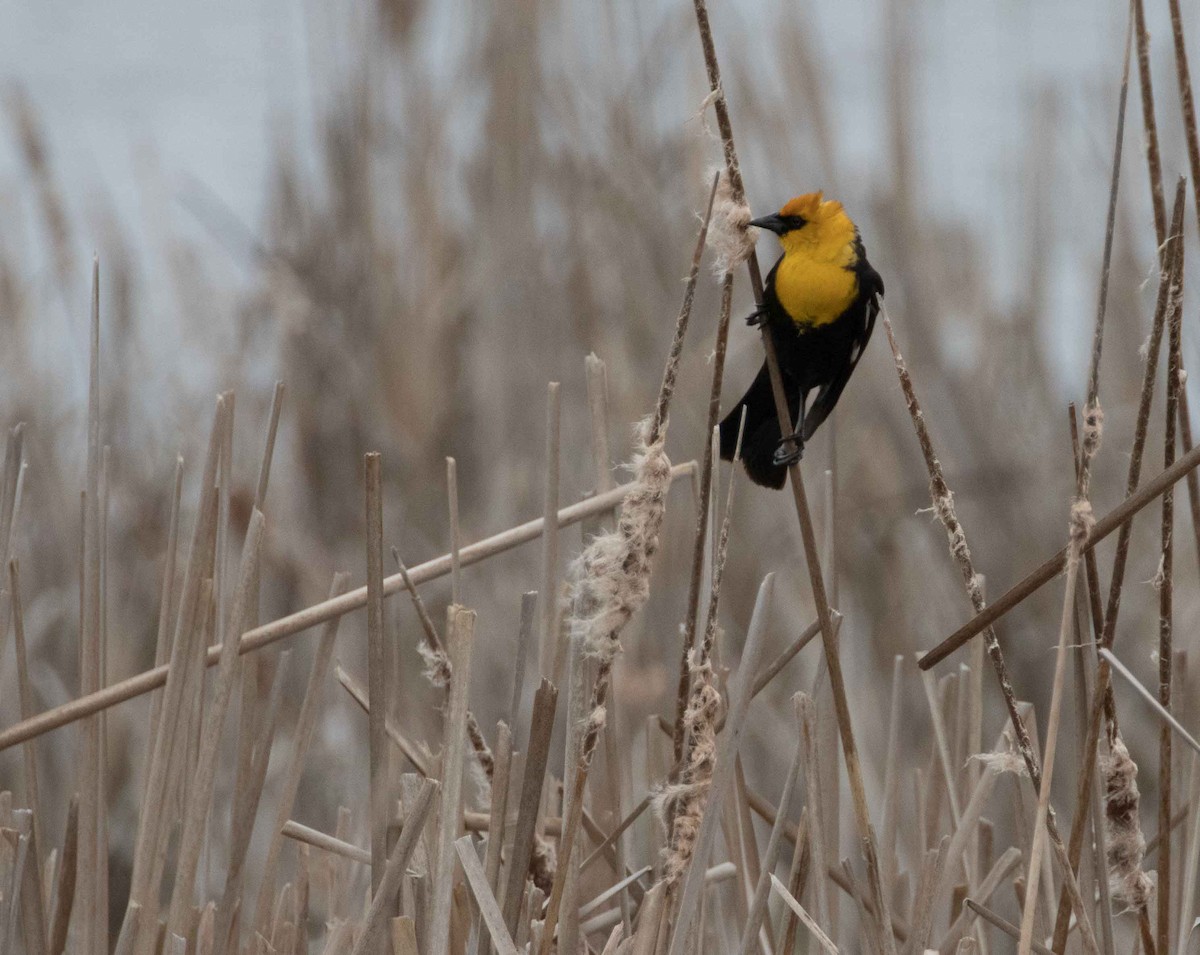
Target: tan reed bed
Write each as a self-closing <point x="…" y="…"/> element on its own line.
<point x="523" y="837"/>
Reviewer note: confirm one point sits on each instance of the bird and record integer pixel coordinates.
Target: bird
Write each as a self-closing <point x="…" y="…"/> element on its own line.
<point x="819" y="306"/>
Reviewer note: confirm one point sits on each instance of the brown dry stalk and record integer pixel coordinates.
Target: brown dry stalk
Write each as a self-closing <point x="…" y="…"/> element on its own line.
<point x="1164" y="581"/>
<point x="943" y="502"/>
<point x="1153" y="162"/>
<point x="866" y="832"/>
<point x="706" y="482"/>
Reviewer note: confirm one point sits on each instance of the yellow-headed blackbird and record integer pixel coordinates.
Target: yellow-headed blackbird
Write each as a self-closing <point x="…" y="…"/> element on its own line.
<point x="819" y="306"/>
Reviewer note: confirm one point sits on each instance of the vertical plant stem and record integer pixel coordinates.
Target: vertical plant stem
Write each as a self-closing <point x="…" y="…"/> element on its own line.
<point x="1166" y="652"/>
<point x="460" y="634"/>
<point x="547" y="630"/>
<point x="698" y="542"/>
<point x="377" y="672"/>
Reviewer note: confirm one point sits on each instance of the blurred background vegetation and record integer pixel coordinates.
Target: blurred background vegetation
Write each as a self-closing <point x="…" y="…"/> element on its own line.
<point x="442" y="207"/>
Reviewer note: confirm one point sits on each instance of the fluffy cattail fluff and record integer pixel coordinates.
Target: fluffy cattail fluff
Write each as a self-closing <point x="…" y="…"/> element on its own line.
<point x="612" y="575"/>
<point x="729" y="229"/>
<point x="1093" y="428"/>
<point x="688" y="797"/>
<point x="543" y="864"/>
<point x="1082" y="521"/>
<point x="1126" y="844"/>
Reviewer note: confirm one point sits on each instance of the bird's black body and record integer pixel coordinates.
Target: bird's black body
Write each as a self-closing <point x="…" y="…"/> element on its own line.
<point x="820" y="357"/>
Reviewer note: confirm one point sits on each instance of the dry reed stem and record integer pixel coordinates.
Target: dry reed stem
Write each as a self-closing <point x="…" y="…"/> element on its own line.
<point x="706" y="466"/>
<point x="866" y="832"/>
<point x="597" y="394"/>
<point x="64" y="889"/>
<point x="797" y="878"/>
<point x="203" y="776"/>
<point x="1164" y="715"/>
<point x="380" y="753"/>
<point x="306" y="725"/>
<point x="524" y="635"/>
<point x="410" y="751"/>
<point x="812" y="780"/>
<point x="460" y="634"/>
<point x="91" y="678"/>
<point x="300" y="621"/>
<point x="809" y="923"/>
<point x="321" y="840"/>
<point x="8" y="504"/>
<point x="1004" y="925"/>
<point x="25" y="702"/>
<point x="890" y="779"/>
<point x="537" y="752"/>
<point x="438" y="669"/>
<point x="150" y="823"/>
<point x="1165" y="586"/>
<point x="268" y="683"/>
<point x="943" y="501"/>
<point x="371" y="936"/>
<point x="999" y="874"/>
<point x="739" y="704"/>
<point x="496" y="820"/>
<point x="1079" y="526"/>
<point x="1150" y="127"/>
<point x="489" y="909"/>
<point x="165" y="615"/>
<point x="455" y="532"/>
<point x="547" y="632"/>
<point x="758" y="906"/>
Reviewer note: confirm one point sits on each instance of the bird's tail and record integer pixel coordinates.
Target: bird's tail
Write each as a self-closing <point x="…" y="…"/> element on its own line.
<point x="762" y="434"/>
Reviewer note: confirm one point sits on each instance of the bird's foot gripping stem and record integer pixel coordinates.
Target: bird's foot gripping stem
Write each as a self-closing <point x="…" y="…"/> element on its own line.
<point x="790" y="450"/>
<point x="757" y="317"/>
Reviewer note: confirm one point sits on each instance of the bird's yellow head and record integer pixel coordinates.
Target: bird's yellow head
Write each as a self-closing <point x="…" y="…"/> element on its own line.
<point x="810" y="223"/>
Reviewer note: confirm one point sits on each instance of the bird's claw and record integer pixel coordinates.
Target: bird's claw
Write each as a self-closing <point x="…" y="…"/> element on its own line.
<point x="790" y="450"/>
<point x="757" y="317"/>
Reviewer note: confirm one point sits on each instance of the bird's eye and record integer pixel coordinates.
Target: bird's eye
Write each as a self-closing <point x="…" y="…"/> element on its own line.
<point x="795" y="222"/>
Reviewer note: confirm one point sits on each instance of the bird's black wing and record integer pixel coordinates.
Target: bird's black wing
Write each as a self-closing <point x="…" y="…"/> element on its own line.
<point x="861" y="314"/>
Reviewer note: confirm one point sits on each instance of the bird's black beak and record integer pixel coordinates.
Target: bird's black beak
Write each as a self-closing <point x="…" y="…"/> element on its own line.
<point x="772" y="223"/>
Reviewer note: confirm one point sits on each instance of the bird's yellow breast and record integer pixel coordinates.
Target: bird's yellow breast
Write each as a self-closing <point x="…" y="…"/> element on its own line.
<point x="814" y="292"/>
<point x="815" y="281"/>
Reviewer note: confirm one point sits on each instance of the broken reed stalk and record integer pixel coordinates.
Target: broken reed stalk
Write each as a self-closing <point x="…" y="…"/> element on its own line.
<point x="866" y="832"/>
<point x="460" y="635"/>
<point x="612" y="583"/>
<point x="302" y="620"/>
<point x="943" y="503"/>
<point x="706" y="466"/>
